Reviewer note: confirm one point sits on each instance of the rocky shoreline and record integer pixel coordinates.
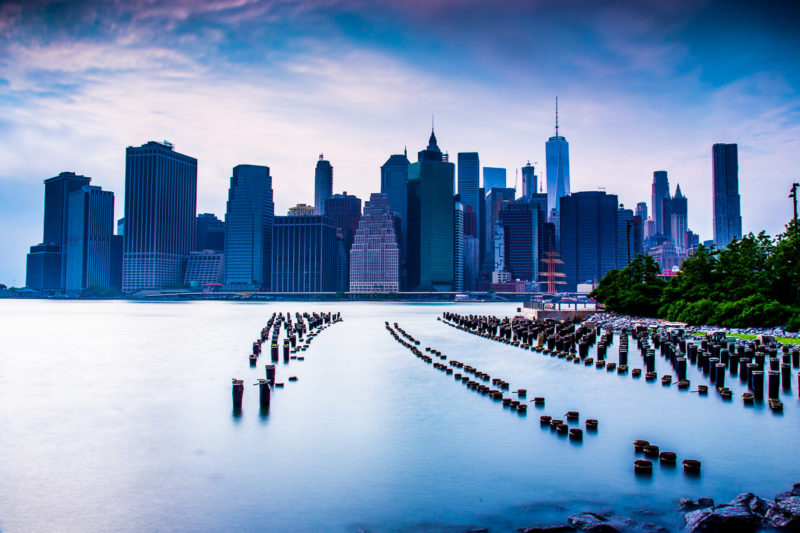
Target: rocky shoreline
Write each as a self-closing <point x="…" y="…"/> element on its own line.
<point x="744" y="514"/>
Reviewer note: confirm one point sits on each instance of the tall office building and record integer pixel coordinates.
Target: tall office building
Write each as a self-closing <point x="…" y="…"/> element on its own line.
<point x="345" y="211"/>
<point x="160" y="209"/>
<point x="301" y="210"/>
<point x="472" y="262"/>
<point x="248" y="228"/>
<point x="431" y="183"/>
<point x="626" y="236"/>
<point x="303" y="250"/>
<point x="90" y="229"/>
<point x="588" y="236"/>
<point x="323" y="184"/>
<point x="529" y="182"/>
<point x="659" y="191"/>
<point x="47" y="262"/>
<point x="209" y="233"/>
<point x="727" y="207"/>
<point x="394" y="184"/>
<point x="641" y="210"/>
<point x="458" y="245"/>
<point x="679" y="222"/>
<point x="557" y="162"/>
<point x="494" y="178"/>
<point x="495" y="199"/>
<point x="374" y="255"/>
<point x="520" y="221"/>
<point x="469" y="167"/>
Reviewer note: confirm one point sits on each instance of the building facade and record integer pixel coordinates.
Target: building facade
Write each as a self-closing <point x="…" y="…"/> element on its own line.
<point x="458" y="245"/>
<point x="727" y="206"/>
<point x="204" y="269"/>
<point x="557" y="164"/>
<point x="323" y="184"/>
<point x="249" y="217"/>
<point x="160" y="210"/>
<point x="521" y="230"/>
<point x="659" y="191"/>
<point x="301" y="210"/>
<point x="394" y="184"/>
<point x="345" y="211"/>
<point x="303" y="254"/>
<point x="529" y="181"/>
<point x="374" y="256"/>
<point x="588" y="236"/>
<point x="89" y="234"/>
<point x="209" y="233"/>
<point x="494" y="178"/>
<point x="431" y="183"/>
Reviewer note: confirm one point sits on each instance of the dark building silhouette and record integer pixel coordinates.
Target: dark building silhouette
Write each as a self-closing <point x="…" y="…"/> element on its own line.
<point x="588" y="236"/>
<point x="522" y="223"/>
<point x="431" y="183"/>
<point x="469" y="166"/>
<point x="323" y="184"/>
<point x="345" y="211"/>
<point x="727" y="207"/>
<point x="458" y="244"/>
<point x="495" y="199"/>
<point x="557" y="164"/>
<point x="209" y="233"/>
<point x="303" y="254"/>
<point x="629" y="236"/>
<point x="394" y="184"/>
<point x="248" y="228"/>
<point x="90" y="230"/>
<point x="160" y="209"/>
<point x="48" y="272"/>
<point x="660" y="191"/>
<point x="529" y="181"/>
<point x="641" y="210"/>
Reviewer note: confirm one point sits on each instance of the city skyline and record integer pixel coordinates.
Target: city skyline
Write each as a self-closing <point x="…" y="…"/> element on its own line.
<point x="80" y="83"/>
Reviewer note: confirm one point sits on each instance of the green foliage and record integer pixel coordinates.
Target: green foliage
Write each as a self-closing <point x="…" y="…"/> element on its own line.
<point x="634" y="290"/>
<point x="753" y="282"/>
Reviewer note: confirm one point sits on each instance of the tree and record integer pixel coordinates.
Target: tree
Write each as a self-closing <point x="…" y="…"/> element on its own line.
<point x="634" y="290"/>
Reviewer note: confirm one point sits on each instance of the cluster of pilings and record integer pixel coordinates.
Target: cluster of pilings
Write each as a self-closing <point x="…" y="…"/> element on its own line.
<point x="560" y="426"/>
<point x="298" y="334"/>
<point x="713" y="357"/>
<point x="473" y="378"/>
<point x="666" y="459"/>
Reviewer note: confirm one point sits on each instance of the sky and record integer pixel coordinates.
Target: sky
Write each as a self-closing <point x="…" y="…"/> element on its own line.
<point x="642" y="86"/>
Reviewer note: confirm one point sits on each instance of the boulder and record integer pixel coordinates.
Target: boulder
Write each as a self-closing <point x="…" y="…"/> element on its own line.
<point x="757" y="506"/>
<point x="785" y="514"/>
<point x="687" y="504"/>
<point x="547" y="529"/>
<point x="592" y="522"/>
<point x="727" y="517"/>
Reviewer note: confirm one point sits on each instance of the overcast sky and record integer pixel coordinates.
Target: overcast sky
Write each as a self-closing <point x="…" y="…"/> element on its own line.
<point x="642" y="86"/>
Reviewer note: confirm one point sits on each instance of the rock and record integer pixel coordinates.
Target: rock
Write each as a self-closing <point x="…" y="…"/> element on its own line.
<point x="687" y="504"/>
<point x="548" y="529"/>
<point x="592" y="522"/>
<point x="785" y="514"/>
<point x="727" y="517"/>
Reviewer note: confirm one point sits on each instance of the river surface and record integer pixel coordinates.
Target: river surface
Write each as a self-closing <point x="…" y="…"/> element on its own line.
<point x="117" y="416"/>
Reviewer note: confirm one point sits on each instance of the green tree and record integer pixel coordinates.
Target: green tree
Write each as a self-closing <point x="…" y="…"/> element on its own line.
<point x="634" y="290"/>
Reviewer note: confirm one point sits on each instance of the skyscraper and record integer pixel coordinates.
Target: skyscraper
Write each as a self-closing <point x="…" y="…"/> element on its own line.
<point x="660" y="190"/>
<point x="529" y="182"/>
<point x="303" y="250"/>
<point x="160" y="208"/>
<point x="374" y="254"/>
<point x="458" y="245"/>
<point x="521" y="230"/>
<point x="248" y="228"/>
<point x="469" y="166"/>
<point x="47" y="262"/>
<point x="557" y="161"/>
<point x="588" y="236"/>
<point x="209" y="233"/>
<point x="89" y="232"/>
<point x="323" y="184"/>
<point x="494" y="178"/>
<point x="495" y="199"/>
<point x="394" y="184"/>
<point x="679" y="222"/>
<point x="431" y="184"/>
<point x="641" y="210"/>
<point x="727" y="208"/>
<point x="345" y="211"/>
<point x="626" y="236"/>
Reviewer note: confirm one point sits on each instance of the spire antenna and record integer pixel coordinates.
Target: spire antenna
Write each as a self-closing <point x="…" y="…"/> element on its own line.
<point x="432" y="123"/>
<point x="556" y="116"/>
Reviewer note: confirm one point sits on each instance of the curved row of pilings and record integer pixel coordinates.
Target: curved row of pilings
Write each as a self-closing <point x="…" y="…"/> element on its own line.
<point x="461" y="372"/>
<point x="298" y="333"/>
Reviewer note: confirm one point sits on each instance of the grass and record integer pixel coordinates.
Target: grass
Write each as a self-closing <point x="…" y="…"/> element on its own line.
<point x="750" y="337"/>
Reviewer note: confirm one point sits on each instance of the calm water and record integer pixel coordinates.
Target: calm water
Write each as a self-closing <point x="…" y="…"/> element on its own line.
<point x="116" y="416"/>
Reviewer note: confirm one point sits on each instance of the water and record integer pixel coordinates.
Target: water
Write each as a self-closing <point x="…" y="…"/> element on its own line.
<point x="116" y="416"/>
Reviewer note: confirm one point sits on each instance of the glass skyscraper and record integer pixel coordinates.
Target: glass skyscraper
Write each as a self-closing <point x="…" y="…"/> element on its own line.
<point x="660" y="190"/>
<point x="394" y="184"/>
<point x="248" y="228"/>
<point x="323" y="184"/>
<point x="588" y="236"/>
<point x="303" y="250"/>
<point x="494" y="178"/>
<point x="90" y="230"/>
<point x="727" y="207"/>
<point x="160" y="209"/>
<point x="529" y="182"/>
<point x="345" y="211"/>
<point x="468" y="184"/>
<point x="557" y="161"/>
<point x="431" y="183"/>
